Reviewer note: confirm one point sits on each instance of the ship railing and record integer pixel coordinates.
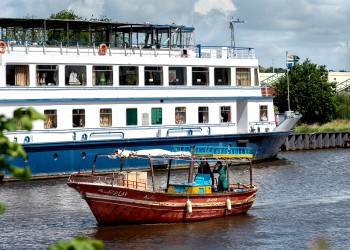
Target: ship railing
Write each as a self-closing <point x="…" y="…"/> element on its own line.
<point x="189" y="130"/>
<point x="207" y="129"/>
<point x="259" y="126"/>
<point x="225" y="52"/>
<point x="78" y="48"/>
<point x="85" y="134"/>
<point x="115" y="180"/>
<point x="135" y="184"/>
<point x="107" y="133"/>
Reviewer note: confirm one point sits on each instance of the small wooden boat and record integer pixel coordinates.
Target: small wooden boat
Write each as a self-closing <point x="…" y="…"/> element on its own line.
<point x="125" y="197"/>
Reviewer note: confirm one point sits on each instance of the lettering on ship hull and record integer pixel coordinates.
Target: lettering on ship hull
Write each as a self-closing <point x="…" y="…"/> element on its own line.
<point x="114" y="193"/>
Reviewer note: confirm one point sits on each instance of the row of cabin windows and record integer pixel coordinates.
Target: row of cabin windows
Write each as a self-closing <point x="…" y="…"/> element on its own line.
<point x="76" y="75"/>
<point x="78" y="116"/>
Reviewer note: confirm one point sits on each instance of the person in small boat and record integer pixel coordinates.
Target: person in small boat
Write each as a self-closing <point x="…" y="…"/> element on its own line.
<point x="222" y="180"/>
<point x="204" y="168"/>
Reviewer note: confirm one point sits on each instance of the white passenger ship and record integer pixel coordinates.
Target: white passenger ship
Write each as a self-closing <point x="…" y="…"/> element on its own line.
<point x="107" y="85"/>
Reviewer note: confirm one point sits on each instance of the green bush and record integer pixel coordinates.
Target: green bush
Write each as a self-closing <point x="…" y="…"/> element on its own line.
<point x="343" y="103"/>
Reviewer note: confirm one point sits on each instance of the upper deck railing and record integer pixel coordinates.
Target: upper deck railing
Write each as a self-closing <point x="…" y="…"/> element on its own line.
<point x="154" y="50"/>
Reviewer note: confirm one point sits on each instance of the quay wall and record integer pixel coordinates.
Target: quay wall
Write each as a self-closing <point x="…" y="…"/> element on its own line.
<point x="303" y="141"/>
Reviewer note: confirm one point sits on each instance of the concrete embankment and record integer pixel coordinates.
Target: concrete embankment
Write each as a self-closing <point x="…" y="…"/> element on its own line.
<point x="317" y="141"/>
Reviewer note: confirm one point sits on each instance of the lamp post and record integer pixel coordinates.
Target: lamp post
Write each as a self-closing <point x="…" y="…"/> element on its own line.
<point x="346" y="59"/>
<point x="232" y="28"/>
<point x="288" y="100"/>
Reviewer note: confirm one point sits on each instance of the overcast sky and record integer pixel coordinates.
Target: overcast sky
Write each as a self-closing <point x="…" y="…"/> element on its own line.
<point x="314" y="29"/>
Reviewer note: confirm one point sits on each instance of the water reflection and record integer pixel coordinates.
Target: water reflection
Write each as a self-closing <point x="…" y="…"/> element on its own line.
<point x="192" y="235"/>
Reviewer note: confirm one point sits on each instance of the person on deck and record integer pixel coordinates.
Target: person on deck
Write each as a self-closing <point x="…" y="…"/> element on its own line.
<point x="204" y="168"/>
<point x="222" y="181"/>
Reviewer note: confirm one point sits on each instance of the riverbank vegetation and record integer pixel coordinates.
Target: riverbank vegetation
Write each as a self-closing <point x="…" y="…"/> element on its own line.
<point x="333" y="126"/>
<point x="343" y="105"/>
<point x="323" y="109"/>
<point x="341" y="123"/>
<point x="310" y="93"/>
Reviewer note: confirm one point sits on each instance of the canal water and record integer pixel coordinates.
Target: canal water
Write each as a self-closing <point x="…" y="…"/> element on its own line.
<point x="304" y="196"/>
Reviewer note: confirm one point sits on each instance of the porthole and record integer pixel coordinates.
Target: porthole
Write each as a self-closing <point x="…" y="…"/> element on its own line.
<point x="55" y="156"/>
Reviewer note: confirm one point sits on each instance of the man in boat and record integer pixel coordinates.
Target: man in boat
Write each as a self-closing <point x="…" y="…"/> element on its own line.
<point x="222" y="180"/>
<point x="204" y="168"/>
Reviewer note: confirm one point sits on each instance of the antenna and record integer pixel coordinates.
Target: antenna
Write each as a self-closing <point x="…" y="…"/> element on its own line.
<point x="232" y="28"/>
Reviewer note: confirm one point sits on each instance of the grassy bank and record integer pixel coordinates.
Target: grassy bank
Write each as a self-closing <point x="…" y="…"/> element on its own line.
<point x="333" y="126"/>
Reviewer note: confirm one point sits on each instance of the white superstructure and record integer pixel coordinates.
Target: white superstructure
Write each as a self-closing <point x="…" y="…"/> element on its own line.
<point x="149" y="82"/>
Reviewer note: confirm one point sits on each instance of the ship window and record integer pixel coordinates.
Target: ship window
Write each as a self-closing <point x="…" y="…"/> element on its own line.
<point x="145" y="119"/>
<point x="243" y="77"/>
<point x="46" y="75"/>
<point x="263" y="113"/>
<point x="180" y="115"/>
<point x="200" y="76"/>
<point x="222" y="76"/>
<point x="22" y="114"/>
<point x="78" y="118"/>
<point x="177" y="76"/>
<point x="105" y="117"/>
<point x="131" y="116"/>
<point x="17" y="75"/>
<point x="203" y="115"/>
<point x="128" y="75"/>
<point x="75" y="75"/>
<point x="153" y="75"/>
<point x="256" y="77"/>
<point x="102" y="75"/>
<point x="156" y="116"/>
<point x="225" y="112"/>
<point x="51" y="121"/>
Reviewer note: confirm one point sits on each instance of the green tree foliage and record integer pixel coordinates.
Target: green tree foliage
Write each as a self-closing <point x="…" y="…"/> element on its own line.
<point x="310" y="93"/>
<point x="12" y="149"/>
<point x="271" y="70"/>
<point x="81" y="36"/>
<point x="65" y="14"/>
<point x="58" y="35"/>
<point x="78" y="243"/>
<point x="343" y="103"/>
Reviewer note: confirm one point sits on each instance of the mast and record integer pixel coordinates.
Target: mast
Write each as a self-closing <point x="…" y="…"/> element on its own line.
<point x="232" y="28"/>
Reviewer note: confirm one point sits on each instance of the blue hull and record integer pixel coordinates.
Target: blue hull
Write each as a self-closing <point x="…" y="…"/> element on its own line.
<point x="68" y="157"/>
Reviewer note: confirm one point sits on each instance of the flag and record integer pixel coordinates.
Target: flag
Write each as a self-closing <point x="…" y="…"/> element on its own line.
<point x="291" y="60"/>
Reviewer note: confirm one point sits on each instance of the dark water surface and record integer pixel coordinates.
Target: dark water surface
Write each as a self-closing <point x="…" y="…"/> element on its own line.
<point x="303" y="196"/>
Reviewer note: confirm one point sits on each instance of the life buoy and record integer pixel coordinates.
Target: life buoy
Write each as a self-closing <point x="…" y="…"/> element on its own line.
<point x="3" y="45"/>
<point x="103" y="49"/>
<point x="84" y="137"/>
<point x="27" y="139"/>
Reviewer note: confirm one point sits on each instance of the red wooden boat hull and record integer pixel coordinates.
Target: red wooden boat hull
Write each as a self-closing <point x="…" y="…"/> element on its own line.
<point x="113" y="205"/>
